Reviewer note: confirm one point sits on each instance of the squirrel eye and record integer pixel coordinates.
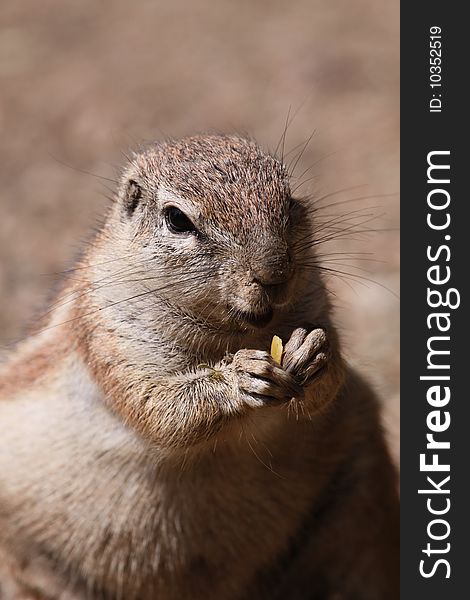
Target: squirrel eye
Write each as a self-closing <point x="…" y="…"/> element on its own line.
<point x="178" y="222"/>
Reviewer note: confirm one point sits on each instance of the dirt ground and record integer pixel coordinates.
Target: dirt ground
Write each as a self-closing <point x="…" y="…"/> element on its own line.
<point x="82" y="82"/>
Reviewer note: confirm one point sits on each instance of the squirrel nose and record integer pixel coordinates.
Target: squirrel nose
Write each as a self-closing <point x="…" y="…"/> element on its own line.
<point x="272" y="270"/>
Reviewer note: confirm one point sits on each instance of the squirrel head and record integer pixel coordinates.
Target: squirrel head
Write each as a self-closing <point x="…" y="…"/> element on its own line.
<point x="211" y="221"/>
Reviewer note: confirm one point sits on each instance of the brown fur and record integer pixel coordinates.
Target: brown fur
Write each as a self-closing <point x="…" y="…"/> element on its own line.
<point x="149" y="445"/>
<point x="32" y="366"/>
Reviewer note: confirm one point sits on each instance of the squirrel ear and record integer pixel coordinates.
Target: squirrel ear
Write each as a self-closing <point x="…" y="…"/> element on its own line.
<point x="132" y="196"/>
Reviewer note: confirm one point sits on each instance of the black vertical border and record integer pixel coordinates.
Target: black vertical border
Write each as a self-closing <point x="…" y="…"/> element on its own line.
<point x="422" y="132"/>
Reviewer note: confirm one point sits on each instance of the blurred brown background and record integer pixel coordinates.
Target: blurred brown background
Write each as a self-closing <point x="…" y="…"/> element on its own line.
<point x="82" y="81"/>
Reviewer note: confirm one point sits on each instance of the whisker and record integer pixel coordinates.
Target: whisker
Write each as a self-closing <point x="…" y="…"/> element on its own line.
<point x="355" y="277"/>
<point x="301" y="153"/>
<point x="83" y="171"/>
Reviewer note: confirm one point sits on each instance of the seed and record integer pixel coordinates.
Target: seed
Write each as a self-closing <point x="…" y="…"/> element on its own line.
<point x="276" y="349"/>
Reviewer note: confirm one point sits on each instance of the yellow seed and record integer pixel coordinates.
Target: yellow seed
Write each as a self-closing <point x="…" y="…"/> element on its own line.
<point x="276" y="349"/>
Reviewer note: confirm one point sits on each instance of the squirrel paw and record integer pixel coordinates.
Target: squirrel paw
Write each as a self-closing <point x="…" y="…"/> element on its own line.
<point x="261" y="380"/>
<point x="306" y="354"/>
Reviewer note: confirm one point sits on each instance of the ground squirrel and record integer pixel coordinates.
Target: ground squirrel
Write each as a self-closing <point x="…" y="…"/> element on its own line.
<point x="150" y="446"/>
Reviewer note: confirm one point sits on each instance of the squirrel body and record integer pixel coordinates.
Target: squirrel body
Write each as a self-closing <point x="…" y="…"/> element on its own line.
<point x="150" y="447"/>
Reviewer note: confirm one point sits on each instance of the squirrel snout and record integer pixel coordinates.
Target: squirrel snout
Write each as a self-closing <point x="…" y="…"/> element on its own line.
<point x="271" y="270"/>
